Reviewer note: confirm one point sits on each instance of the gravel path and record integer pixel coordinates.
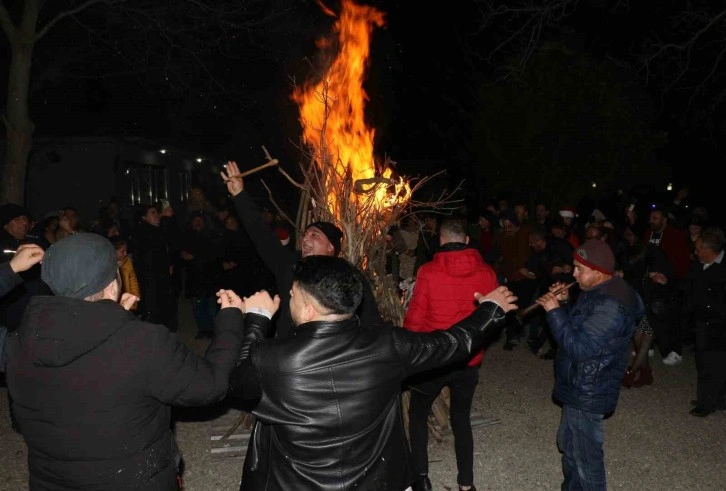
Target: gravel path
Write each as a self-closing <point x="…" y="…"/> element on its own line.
<point x="651" y="442"/>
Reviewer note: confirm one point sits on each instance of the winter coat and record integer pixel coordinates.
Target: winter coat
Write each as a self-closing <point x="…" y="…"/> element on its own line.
<point x="129" y="282"/>
<point x="592" y="338"/>
<point x="280" y="260"/>
<point x="444" y="290"/>
<point x="92" y="389"/>
<point x="9" y="279"/>
<point x="328" y="399"/>
<point x="704" y="302"/>
<point x="15" y="301"/>
<point x="152" y="263"/>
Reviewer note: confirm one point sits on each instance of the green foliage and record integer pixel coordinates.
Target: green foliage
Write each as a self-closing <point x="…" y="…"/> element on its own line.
<point x="566" y="121"/>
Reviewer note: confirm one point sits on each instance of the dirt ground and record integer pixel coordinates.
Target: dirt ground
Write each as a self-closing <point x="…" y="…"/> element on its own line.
<point x="651" y="442"/>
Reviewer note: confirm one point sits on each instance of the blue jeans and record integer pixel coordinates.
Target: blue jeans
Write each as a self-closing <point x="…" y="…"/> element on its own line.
<point x="580" y="439"/>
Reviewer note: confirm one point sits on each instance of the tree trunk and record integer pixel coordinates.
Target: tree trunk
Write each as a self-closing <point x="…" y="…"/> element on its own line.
<point x="19" y="127"/>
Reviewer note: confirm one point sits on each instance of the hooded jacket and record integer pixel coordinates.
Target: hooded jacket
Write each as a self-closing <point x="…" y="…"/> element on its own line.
<point x="92" y="388"/>
<point x="328" y="399"/>
<point x="444" y="290"/>
<point x="593" y="336"/>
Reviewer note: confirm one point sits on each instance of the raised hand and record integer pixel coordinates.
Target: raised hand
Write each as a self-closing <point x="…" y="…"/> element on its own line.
<point x="27" y="256"/>
<point x="231" y="176"/>
<point x="228" y="298"/>
<point x="262" y="300"/>
<point x="502" y="296"/>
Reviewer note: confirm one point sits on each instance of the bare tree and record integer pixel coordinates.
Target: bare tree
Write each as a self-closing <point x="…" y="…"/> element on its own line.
<point x="676" y="48"/>
<point x="170" y="45"/>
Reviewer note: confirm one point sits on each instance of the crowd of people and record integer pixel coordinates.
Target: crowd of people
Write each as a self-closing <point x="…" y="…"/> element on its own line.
<point x="297" y="339"/>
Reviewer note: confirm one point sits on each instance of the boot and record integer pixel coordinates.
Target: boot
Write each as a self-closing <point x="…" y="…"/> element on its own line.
<point x="644" y="377"/>
<point x="628" y="378"/>
<point x="422" y="484"/>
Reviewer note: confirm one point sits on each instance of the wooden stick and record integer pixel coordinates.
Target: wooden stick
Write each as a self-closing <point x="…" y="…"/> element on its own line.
<point x="259" y="168"/>
<point x="524" y="312"/>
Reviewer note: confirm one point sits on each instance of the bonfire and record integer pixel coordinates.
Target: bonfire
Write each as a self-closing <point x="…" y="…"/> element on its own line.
<point x="343" y="182"/>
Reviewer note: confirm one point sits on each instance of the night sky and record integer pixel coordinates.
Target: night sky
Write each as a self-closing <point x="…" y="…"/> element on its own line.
<point x="421" y="82"/>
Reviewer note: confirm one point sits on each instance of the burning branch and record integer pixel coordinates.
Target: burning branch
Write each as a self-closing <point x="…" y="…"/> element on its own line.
<point x="343" y="182"/>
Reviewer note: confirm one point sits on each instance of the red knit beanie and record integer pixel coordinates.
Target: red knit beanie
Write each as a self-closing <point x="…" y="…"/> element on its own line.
<point x="597" y="255"/>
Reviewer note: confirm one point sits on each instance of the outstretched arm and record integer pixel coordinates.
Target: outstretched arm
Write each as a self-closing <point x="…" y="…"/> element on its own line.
<point x="424" y="351"/>
<point x="276" y="257"/>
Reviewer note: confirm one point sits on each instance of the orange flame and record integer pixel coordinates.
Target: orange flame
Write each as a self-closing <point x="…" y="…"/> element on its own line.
<point x="332" y="112"/>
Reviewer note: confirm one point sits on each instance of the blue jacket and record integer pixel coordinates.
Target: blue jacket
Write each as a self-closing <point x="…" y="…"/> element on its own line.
<point x="593" y="337"/>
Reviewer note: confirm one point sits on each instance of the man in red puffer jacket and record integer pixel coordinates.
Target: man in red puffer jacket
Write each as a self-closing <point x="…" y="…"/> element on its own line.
<point x="442" y="295"/>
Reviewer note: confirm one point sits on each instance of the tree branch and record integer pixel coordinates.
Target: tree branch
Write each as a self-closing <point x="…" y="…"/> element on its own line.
<point x="66" y="13"/>
<point x="6" y="23"/>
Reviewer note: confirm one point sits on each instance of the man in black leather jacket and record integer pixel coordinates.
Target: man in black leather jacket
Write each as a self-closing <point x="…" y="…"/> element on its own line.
<point x="328" y="397"/>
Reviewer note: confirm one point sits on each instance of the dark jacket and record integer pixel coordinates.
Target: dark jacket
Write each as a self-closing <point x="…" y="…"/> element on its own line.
<point x="92" y="388"/>
<point x="204" y="272"/>
<point x="638" y="261"/>
<point x="444" y="290"/>
<point x="674" y="243"/>
<point x="15" y="301"/>
<point x="152" y="262"/>
<point x="280" y="260"/>
<point x="704" y="302"/>
<point x="328" y="399"/>
<point x="9" y="279"/>
<point x="248" y="273"/>
<point x="593" y="337"/>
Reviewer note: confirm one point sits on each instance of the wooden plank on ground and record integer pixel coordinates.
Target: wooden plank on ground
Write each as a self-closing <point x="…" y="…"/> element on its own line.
<point x="235" y="445"/>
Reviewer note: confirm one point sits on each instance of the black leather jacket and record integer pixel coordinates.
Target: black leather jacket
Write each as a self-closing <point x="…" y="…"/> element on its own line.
<point x="328" y="399"/>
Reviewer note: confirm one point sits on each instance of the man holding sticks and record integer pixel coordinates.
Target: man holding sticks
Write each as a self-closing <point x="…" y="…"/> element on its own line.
<point x="319" y="238"/>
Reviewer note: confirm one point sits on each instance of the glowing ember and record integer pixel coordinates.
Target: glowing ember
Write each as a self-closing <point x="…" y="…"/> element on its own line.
<point x="332" y="112"/>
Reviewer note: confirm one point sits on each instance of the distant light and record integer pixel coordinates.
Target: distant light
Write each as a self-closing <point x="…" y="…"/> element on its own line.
<point x="669" y="187"/>
<point x="620" y="192"/>
<point x="653" y="206"/>
<point x="163" y="150"/>
<point x="199" y="159"/>
<point x="594" y="184"/>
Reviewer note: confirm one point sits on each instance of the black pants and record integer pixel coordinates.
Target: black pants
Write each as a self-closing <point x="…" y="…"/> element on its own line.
<point x="525" y="291"/>
<point x="666" y="329"/>
<point x="462" y="382"/>
<point x="711" y="367"/>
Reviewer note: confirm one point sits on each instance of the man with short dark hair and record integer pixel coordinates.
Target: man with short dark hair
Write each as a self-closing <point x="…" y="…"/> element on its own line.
<point x="510" y="253"/>
<point x="674" y="242"/>
<point x="442" y="296"/>
<point x="319" y="238"/>
<point x="92" y="385"/>
<point x="592" y="336"/>
<point x="327" y="400"/>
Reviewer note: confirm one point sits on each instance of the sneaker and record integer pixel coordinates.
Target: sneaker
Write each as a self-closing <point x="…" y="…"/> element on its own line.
<point x="673" y="358"/>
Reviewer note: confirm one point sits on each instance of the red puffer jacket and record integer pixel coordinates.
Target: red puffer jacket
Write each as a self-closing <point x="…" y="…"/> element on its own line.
<point x="444" y="290"/>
